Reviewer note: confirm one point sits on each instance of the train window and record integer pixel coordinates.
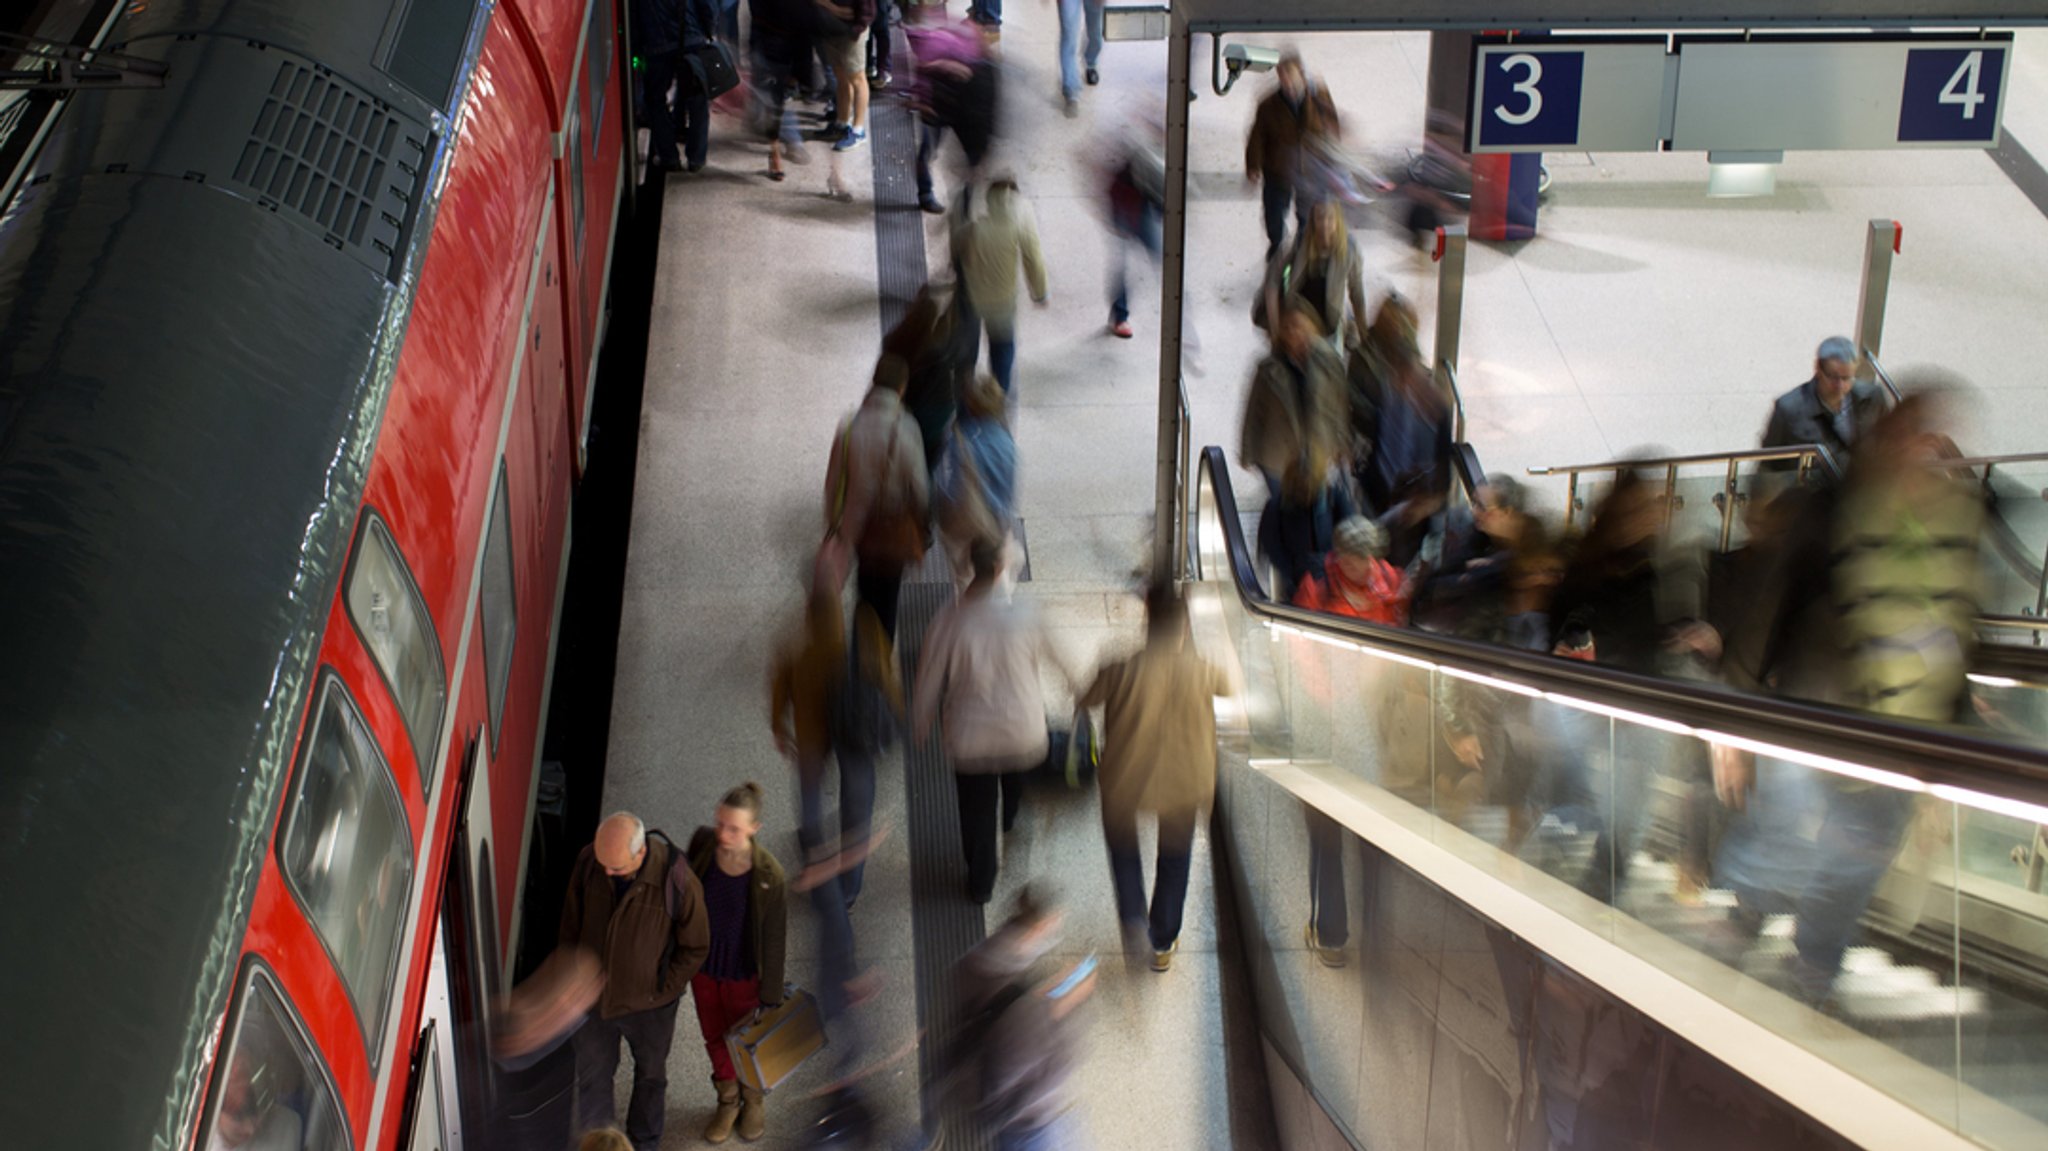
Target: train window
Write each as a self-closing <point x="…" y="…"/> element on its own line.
<point x="426" y="51"/>
<point x="597" y="67"/>
<point x="347" y="854"/>
<point x="500" y="607"/>
<point x="274" y="1092"/>
<point x="393" y="621"/>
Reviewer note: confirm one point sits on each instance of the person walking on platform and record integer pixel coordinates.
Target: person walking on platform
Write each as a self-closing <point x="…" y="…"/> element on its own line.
<point x="1018" y="1045"/>
<point x="974" y="491"/>
<point x="956" y="87"/>
<point x="1079" y="18"/>
<point x="1295" y="117"/>
<point x="877" y="496"/>
<point x="844" y="43"/>
<point x="931" y="342"/>
<point x="979" y="676"/>
<point x="634" y="902"/>
<point x="745" y="903"/>
<point x="781" y="46"/>
<point x="995" y="235"/>
<point x="1137" y="207"/>
<point x="1833" y="409"/>
<point x="658" y="39"/>
<point x="1158" y="757"/>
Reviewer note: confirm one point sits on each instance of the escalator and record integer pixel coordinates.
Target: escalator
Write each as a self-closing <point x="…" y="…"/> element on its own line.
<point x="1601" y="878"/>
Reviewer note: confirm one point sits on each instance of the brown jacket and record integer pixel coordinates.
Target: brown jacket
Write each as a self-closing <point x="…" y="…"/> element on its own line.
<point x="1279" y="132"/>
<point x="651" y="940"/>
<point x="1159" y="730"/>
<point x="808" y="672"/>
<point x="767" y="909"/>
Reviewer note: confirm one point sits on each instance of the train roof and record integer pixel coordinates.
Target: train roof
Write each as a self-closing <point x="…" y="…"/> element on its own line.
<point x="190" y="388"/>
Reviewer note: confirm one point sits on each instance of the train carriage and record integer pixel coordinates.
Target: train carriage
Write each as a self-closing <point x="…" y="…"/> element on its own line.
<point x="296" y="354"/>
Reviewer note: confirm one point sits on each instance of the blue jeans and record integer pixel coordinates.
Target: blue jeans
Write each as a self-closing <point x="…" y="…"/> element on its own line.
<point x="1002" y="358"/>
<point x="1145" y="232"/>
<point x="989" y="12"/>
<point x="856" y="809"/>
<point x="1170" y="878"/>
<point x="1278" y="195"/>
<point x="1072" y="14"/>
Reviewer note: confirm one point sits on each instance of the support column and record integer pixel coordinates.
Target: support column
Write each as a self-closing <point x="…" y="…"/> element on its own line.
<point x="1880" y="244"/>
<point x="1173" y="274"/>
<point x="1450" y="320"/>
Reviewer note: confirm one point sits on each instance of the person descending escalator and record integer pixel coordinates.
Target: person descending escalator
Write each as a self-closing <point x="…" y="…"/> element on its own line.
<point x="1295" y="431"/>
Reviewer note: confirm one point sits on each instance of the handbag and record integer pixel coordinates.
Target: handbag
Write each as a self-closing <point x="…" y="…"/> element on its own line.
<point x="894" y="539"/>
<point x="769" y="1046"/>
<point x="710" y="69"/>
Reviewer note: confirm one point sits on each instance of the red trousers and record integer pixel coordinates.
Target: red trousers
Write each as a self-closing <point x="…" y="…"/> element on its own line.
<point x="721" y="1004"/>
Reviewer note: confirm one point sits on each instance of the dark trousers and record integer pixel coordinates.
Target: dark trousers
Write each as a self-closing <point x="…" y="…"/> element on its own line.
<point x="1278" y="196"/>
<point x="1143" y="230"/>
<point x="1170" y="872"/>
<point x="980" y="796"/>
<point x="694" y="110"/>
<point x="1002" y="357"/>
<point x="989" y="12"/>
<point x="856" y="809"/>
<point x="879" y="48"/>
<point x="648" y="1035"/>
<point x="1329" y="911"/>
<point x="877" y="587"/>
<point x="661" y="121"/>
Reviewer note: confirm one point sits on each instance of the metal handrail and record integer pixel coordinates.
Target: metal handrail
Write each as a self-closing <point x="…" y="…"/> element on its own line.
<point x="1927" y="754"/>
<point x="1993" y="461"/>
<point x="1883" y="377"/>
<point x="1184" y="545"/>
<point x="1748" y="455"/>
<point x="1450" y="371"/>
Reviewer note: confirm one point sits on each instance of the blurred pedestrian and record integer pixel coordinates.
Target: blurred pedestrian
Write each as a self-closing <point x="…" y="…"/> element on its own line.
<point x="1400" y="420"/>
<point x="877" y="498"/>
<point x="979" y="677"/>
<point x="781" y="45"/>
<point x="974" y="492"/>
<point x="1322" y="268"/>
<point x="633" y="900"/>
<point x="1137" y="206"/>
<point x="1158" y="758"/>
<point x="957" y="88"/>
<point x="995" y="237"/>
<point x="745" y="903"/>
<point x="1296" y="116"/>
<point x="1465" y="590"/>
<point x="1295" y="431"/>
<point x="1079" y="20"/>
<point x="1019" y="1044"/>
<point x="1833" y="409"/>
<point x="658" y="40"/>
<point x="931" y="342"/>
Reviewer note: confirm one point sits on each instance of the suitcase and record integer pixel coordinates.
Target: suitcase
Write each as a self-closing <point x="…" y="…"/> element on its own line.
<point x="767" y="1048"/>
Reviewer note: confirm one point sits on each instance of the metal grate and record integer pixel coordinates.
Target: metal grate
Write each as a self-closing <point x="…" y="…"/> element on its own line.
<point x="343" y="159"/>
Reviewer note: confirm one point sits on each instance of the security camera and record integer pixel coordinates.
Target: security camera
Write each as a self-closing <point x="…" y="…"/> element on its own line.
<point x="1246" y="57"/>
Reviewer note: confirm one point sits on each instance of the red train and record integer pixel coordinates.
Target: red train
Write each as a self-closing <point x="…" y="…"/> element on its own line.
<point x="296" y="354"/>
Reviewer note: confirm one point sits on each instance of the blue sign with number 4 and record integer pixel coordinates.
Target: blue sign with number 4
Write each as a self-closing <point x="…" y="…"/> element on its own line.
<point x="1531" y="98"/>
<point x="1951" y="94"/>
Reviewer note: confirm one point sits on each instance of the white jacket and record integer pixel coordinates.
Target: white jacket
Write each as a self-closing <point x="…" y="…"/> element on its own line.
<point x="980" y="674"/>
<point x="994" y="231"/>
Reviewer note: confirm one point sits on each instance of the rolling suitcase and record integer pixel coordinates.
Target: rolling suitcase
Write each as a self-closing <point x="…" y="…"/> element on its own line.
<point x="767" y="1048"/>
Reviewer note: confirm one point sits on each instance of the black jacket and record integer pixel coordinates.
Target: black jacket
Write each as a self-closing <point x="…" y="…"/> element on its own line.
<point x="1799" y="418"/>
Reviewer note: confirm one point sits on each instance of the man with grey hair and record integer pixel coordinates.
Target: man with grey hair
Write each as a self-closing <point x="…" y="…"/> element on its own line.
<point x="634" y="901"/>
<point x="1832" y="409"/>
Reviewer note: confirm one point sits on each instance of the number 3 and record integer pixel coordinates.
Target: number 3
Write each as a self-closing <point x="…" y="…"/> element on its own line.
<point x="1526" y="86"/>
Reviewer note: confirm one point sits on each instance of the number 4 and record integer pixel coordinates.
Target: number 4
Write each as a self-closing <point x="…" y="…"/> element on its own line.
<point x="1967" y="75"/>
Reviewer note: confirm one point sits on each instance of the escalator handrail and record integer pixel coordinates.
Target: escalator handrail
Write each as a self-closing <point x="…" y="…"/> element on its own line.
<point x="1820" y="452"/>
<point x="1931" y="755"/>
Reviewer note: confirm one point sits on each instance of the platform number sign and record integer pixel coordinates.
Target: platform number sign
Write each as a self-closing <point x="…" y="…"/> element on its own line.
<point x="1952" y="94"/>
<point x="1531" y="98"/>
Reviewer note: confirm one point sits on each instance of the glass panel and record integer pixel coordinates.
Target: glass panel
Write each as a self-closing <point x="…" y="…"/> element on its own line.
<point x="429" y="1125"/>
<point x="500" y="608"/>
<point x="347" y="853"/>
<point x="2017" y="545"/>
<point x="1883" y="926"/>
<point x="395" y="626"/>
<point x="274" y="1094"/>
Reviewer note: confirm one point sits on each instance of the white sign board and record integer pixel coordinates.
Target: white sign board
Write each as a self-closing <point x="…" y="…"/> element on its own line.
<point x="1566" y="95"/>
<point x="1865" y="92"/>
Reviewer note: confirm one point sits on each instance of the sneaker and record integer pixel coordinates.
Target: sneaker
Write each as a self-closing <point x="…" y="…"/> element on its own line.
<point x="1094" y="77"/>
<point x="1121" y="329"/>
<point x="1163" y="960"/>
<point x="881" y="81"/>
<point x="930" y="203"/>
<point x="853" y="138"/>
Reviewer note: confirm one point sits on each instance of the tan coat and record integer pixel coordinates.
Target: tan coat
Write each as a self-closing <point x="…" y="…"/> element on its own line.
<point x="994" y="235"/>
<point x="1159" y="730"/>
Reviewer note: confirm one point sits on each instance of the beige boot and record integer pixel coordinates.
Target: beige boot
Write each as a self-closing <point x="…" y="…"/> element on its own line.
<point x="720" y="1127"/>
<point x="753" y="1114"/>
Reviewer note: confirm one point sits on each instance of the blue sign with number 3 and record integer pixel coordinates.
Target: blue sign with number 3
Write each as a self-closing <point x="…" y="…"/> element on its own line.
<point x="1951" y="94"/>
<point x="1531" y="98"/>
